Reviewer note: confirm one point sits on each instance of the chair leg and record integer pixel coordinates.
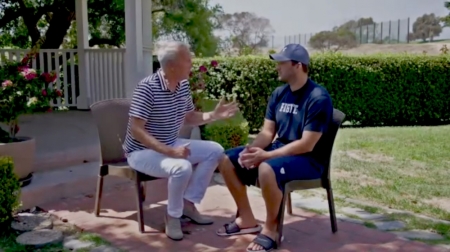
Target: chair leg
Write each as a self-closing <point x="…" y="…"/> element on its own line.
<point x="143" y="188"/>
<point x="139" y="199"/>
<point x="332" y="210"/>
<point x="280" y="218"/>
<point x="289" y="204"/>
<point x="98" y="195"/>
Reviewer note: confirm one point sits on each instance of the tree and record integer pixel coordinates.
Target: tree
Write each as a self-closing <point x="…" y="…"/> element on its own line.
<point x="446" y="19"/>
<point x="340" y="38"/>
<point x="426" y="27"/>
<point x="49" y="24"/>
<point x="248" y="32"/>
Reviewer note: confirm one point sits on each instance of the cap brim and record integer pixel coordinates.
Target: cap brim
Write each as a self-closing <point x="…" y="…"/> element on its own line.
<point x="279" y="57"/>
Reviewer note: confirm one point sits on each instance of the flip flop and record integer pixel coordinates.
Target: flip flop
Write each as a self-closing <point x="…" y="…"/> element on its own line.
<point x="233" y="229"/>
<point x="264" y="241"/>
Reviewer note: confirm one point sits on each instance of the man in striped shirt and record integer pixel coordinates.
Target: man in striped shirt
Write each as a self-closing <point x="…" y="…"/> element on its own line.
<point x="161" y="104"/>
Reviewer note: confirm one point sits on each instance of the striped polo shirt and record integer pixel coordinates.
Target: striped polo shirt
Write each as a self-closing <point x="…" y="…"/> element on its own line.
<point x="163" y="110"/>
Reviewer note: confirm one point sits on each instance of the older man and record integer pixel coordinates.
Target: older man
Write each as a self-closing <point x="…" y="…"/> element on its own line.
<point x="299" y="112"/>
<point x="161" y="104"/>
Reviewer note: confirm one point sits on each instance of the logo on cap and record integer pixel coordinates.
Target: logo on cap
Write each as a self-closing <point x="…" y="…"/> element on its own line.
<point x="284" y="49"/>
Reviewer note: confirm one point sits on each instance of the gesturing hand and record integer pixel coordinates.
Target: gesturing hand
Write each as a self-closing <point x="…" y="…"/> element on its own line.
<point x="253" y="157"/>
<point x="225" y="110"/>
<point x="181" y="151"/>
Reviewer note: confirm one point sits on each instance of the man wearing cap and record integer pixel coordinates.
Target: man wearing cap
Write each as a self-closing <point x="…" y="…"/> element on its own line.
<point x="299" y="113"/>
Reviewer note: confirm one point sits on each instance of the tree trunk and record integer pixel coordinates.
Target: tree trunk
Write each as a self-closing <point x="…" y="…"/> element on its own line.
<point x="57" y="29"/>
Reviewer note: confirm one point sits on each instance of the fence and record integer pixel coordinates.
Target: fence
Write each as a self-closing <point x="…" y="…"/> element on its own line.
<point x="105" y="75"/>
<point x="390" y="32"/>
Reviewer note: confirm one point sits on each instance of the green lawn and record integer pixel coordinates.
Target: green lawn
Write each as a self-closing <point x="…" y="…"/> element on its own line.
<point x="406" y="168"/>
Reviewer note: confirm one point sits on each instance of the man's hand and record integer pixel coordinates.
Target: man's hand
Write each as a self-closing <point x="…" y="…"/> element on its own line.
<point x="253" y="157"/>
<point x="225" y="110"/>
<point x="180" y="152"/>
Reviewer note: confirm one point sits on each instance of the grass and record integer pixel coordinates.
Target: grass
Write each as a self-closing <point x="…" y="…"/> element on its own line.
<point x="405" y="168"/>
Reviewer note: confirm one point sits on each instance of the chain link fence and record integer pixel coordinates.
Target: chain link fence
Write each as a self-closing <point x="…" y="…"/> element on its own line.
<point x="390" y="32"/>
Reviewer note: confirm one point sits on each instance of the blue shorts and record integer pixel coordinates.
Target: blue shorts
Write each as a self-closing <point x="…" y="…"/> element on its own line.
<point x="298" y="167"/>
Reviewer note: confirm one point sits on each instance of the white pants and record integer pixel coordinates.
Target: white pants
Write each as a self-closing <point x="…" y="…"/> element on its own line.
<point x="185" y="182"/>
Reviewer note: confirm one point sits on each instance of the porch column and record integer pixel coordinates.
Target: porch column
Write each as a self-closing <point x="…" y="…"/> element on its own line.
<point x="138" y="39"/>
<point x="83" y="100"/>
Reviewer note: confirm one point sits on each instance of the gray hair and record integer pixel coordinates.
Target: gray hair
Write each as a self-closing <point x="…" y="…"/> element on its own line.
<point x="169" y="51"/>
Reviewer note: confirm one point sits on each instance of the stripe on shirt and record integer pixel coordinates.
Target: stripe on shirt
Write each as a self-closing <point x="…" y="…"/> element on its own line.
<point x="164" y="111"/>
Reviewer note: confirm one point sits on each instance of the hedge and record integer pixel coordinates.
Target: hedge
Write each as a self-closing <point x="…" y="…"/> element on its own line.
<point x="375" y="90"/>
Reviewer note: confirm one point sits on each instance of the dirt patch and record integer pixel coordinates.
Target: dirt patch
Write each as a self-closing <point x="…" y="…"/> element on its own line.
<point x="362" y="179"/>
<point x="428" y="48"/>
<point x="442" y="203"/>
<point x="368" y="157"/>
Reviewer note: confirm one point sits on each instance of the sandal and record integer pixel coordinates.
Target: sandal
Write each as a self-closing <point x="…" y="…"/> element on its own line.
<point x="233" y="229"/>
<point x="264" y="241"/>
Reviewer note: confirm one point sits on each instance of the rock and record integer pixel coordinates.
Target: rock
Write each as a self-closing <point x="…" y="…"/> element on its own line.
<point x="389" y="225"/>
<point x="25" y="222"/>
<point x="362" y="214"/>
<point x="104" y="248"/>
<point x="311" y="203"/>
<point x="419" y="234"/>
<point x="348" y="219"/>
<point x="40" y="238"/>
<point x="72" y="243"/>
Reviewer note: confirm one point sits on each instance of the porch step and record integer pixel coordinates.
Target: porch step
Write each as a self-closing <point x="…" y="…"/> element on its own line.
<point x="51" y="186"/>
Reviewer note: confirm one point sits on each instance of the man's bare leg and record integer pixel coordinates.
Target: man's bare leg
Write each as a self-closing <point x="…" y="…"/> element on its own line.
<point x="239" y="193"/>
<point x="272" y="196"/>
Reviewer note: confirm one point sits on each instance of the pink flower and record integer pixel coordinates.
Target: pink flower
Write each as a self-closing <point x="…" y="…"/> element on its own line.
<point x="29" y="74"/>
<point x="44" y="92"/>
<point x="190" y="75"/>
<point x="203" y="69"/>
<point x="58" y="93"/>
<point x="49" y="77"/>
<point x="214" y="63"/>
<point x="6" y="83"/>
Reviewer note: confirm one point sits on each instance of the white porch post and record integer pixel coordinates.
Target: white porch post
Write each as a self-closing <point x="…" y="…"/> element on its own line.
<point x="138" y="36"/>
<point x="83" y="100"/>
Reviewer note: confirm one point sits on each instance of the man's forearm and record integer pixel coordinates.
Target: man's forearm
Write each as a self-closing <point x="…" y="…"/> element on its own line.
<point x="196" y="118"/>
<point x="294" y="148"/>
<point x="150" y="141"/>
<point x="262" y="140"/>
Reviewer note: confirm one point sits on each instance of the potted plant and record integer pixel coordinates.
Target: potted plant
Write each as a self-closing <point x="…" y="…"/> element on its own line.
<point x="198" y="80"/>
<point x="23" y="90"/>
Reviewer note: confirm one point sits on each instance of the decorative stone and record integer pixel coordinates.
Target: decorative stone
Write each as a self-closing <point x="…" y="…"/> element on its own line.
<point x="40" y="238"/>
<point x="72" y="243"/>
<point x="419" y="234"/>
<point x="389" y="225"/>
<point x="311" y="203"/>
<point x="362" y="214"/>
<point x="104" y="249"/>
<point x="25" y="222"/>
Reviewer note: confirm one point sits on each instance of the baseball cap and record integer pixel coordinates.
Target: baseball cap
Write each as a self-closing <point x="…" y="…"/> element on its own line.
<point x="294" y="52"/>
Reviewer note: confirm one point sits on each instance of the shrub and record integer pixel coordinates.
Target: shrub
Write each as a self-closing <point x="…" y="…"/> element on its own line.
<point x="227" y="133"/>
<point x="374" y="90"/>
<point x="9" y="192"/>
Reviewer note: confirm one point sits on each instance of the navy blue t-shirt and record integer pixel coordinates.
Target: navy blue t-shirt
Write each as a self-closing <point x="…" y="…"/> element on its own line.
<point x="307" y="109"/>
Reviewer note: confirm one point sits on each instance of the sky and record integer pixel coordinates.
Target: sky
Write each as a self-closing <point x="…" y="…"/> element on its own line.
<point x="310" y="16"/>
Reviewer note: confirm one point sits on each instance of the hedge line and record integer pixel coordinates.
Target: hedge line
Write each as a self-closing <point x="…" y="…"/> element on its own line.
<point x="376" y="90"/>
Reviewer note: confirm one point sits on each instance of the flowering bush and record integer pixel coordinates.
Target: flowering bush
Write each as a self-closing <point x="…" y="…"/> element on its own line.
<point x="23" y="90"/>
<point x="198" y="80"/>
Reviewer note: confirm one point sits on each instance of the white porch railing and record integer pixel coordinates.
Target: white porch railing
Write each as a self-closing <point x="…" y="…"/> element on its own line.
<point x="105" y="73"/>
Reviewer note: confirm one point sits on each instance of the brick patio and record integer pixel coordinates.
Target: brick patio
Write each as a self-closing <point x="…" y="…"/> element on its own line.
<point x="304" y="231"/>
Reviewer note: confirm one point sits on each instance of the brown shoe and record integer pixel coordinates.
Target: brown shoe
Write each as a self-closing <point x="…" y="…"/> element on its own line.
<point x="194" y="216"/>
<point x="173" y="228"/>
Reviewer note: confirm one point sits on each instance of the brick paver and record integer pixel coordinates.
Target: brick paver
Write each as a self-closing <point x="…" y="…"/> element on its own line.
<point x="304" y="231"/>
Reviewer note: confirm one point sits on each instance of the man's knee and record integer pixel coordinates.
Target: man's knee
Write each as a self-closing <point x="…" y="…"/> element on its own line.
<point x="225" y="164"/>
<point x="182" y="168"/>
<point x="215" y="149"/>
<point x="265" y="172"/>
